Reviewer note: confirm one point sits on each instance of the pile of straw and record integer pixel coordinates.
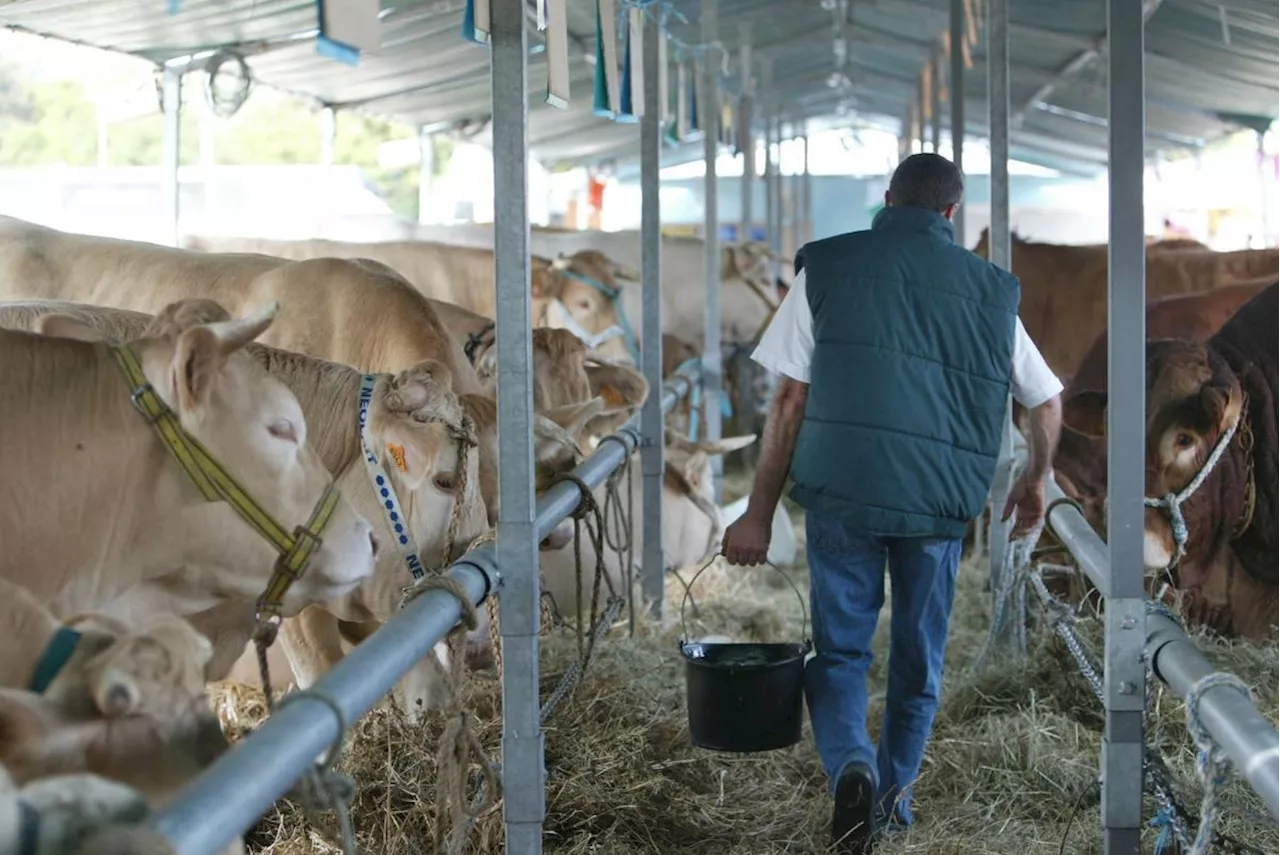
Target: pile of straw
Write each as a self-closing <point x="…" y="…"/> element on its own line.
<point x="1011" y="768"/>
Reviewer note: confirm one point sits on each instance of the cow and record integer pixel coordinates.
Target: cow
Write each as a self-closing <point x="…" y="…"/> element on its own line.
<point x="79" y="453"/>
<point x="1080" y="465"/>
<point x="579" y="293"/>
<point x="411" y="420"/>
<point x="1211" y="462"/>
<point x="91" y="698"/>
<point x="1064" y="288"/>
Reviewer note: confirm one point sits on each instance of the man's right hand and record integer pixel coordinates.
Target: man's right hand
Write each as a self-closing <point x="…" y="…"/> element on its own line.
<point x="1028" y="498"/>
<point x="746" y="542"/>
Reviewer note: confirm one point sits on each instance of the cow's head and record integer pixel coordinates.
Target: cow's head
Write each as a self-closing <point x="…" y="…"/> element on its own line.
<point x="253" y="426"/>
<point x="1193" y="400"/>
<point x="559" y="369"/>
<point x="582" y="293"/>
<point x="691" y="521"/>
<point x="129" y="706"/>
<point x="418" y="431"/>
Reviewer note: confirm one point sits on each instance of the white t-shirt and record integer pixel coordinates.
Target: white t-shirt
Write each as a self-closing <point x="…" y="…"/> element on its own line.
<point x="787" y="348"/>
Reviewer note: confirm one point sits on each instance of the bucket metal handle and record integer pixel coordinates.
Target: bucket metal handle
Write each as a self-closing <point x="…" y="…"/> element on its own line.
<point x="688" y="589"/>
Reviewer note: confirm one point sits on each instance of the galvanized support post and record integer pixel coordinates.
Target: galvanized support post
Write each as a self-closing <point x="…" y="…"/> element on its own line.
<point x="935" y="97"/>
<point x="775" y="212"/>
<point x="746" y="106"/>
<point x="956" y="88"/>
<point x="768" y="173"/>
<point x="806" y="185"/>
<point x="712" y="359"/>
<point x="328" y="135"/>
<point x="1125" y="618"/>
<point x="652" y="442"/>
<point x="796" y="195"/>
<point x="1269" y="238"/>
<point x="524" y="790"/>
<point x="426" y="172"/>
<point x="999" y="252"/>
<point x="171" y="147"/>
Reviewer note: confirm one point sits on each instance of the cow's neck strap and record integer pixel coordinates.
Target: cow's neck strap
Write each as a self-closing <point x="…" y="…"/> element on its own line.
<point x="57" y="653"/>
<point x="613" y="294"/>
<point x="384" y="489"/>
<point x="1172" y="503"/>
<point x="216" y="484"/>
<point x="474" y="340"/>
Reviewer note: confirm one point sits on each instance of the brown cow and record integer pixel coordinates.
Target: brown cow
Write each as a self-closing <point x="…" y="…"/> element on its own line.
<point x="1064" y="288"/>
<point x="1200" y="397"/>
<point x="1080" y="464"/>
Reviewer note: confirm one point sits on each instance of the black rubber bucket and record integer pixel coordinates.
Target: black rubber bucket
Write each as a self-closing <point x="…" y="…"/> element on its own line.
<point x="744" y="697"/>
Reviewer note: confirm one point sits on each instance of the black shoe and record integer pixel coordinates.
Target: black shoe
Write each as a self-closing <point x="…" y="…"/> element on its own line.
<point x="852" y="825"/>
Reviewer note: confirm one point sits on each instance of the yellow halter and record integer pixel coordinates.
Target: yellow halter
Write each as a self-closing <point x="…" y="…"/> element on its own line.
<point x="216" y="484"/>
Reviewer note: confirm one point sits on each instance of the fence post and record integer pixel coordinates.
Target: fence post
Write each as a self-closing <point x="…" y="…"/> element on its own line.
<point x="653" y="443"/>
<point x="1125" y="619"/>
<point x="712" y="359"/>
<point x="524" y="791"/>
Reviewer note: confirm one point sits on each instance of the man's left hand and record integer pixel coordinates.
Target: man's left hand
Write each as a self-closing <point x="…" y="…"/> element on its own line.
<point x="1028" y="498"/>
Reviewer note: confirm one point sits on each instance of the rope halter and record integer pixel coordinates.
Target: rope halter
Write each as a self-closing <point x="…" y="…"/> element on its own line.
<point x="623" y="326"/>
<point x="216" y="484"/>
<point x="1171" y="503"/>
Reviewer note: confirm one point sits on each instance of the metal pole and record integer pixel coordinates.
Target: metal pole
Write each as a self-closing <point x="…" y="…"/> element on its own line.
<point x="1125" y="617"/>
<point x="768" y="172"/>
<point x="524" y="791"/>
<point x="935" y="95"/>
<point x="653" y="443"/>
<point x="957" y="103"/>
<point x="712" y="360"/>
<point x="328" y="135"/>
<point x="796" y="196"/>
<point x="999" y="249"/>
<point x="426" y="173"/>
<point x="171" y="150"/>
<point x="1268" y="239"/>
<point x="807" y="187"/>
<point x="746" y="103"/>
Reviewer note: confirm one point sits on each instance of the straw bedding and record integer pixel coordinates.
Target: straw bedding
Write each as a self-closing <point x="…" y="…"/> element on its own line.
<point x="1011" y="768"/>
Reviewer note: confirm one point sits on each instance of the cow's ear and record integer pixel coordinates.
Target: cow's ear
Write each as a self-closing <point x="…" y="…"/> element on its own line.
<point x="1222" y="405"/>
<point x="58" y="325"/>
<point x="574" y="417"/>
<point x="694" y="468"/>
<point x="197" y="359"/>
<point x="1086" y="413"/>
<point x="621" y="387"/>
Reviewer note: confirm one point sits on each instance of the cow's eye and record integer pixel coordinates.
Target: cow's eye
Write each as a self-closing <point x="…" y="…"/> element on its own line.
<point x="1183" y="441"/>
<point x="444" y="482"/>
<point x="283" y="429"/>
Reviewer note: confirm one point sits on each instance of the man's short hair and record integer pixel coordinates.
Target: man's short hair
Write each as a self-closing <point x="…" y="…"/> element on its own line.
<point x="926" y="180"/>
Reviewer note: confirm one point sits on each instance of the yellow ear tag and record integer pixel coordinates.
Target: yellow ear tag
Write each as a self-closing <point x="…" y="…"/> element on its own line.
<point x="397" y="452"/>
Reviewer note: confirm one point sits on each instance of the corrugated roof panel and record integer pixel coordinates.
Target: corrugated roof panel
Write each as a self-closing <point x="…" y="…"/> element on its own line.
<point x="425" y="73"/>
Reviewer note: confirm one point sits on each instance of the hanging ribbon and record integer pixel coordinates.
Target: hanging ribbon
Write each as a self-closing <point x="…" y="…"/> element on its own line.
<point x="635" y="48"/>
<point x="606" y="100"/>
<point x="557" y="54"/>
<point x="694" y="124"/>
<point x="475" y="22"/>
<point x="626" y="110"/>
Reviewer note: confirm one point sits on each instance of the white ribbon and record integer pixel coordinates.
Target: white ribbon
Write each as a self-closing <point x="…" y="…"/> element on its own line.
<point x="561" y="317"/>
<point x="383" y="489"/>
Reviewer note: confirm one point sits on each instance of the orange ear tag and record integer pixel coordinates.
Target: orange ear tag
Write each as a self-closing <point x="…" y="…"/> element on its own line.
<point x="397" y="452"/>
<point x="612" y="396"/>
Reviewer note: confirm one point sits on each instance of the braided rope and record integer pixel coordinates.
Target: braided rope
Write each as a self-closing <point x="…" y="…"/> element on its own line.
<point x="1212" y="762"/>
<point x="323" y="787"/>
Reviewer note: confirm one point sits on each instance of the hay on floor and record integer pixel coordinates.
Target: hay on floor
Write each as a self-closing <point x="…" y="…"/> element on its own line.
<point x="1011" y="767"/>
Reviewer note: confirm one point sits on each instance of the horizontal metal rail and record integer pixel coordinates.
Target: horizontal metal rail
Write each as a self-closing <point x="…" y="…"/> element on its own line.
<point x="1231" y="718"/>
<point x="232" y="794"/>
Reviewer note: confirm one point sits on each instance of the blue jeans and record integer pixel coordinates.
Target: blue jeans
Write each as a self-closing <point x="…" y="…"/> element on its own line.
<point x="846" y="570"/>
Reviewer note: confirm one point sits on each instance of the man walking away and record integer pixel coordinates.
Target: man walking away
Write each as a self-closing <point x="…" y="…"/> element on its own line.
<point x="898" y="350"/>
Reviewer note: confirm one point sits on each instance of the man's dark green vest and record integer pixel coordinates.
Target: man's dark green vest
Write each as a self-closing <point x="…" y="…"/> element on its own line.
<point x="909" y="382"/>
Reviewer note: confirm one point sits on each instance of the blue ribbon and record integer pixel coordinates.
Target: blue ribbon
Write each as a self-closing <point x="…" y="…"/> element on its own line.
<point x="331" y="48"/>
<point x="56" y="655"/>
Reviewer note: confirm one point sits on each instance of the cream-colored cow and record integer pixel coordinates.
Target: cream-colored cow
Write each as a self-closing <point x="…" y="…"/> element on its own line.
<point x="91" y="699"/>
<point x="96" y="506"/>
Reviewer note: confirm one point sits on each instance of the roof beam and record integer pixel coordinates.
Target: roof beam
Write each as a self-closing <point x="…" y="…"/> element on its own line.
<point x="1075" y="65"/>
